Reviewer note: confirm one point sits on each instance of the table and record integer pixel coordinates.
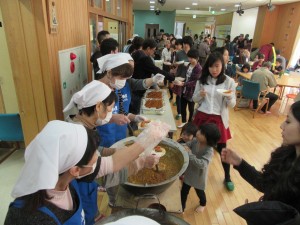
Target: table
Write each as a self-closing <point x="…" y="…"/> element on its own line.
<point x="167" y="117"/>
<point x="245" y="75"/>
<point x="170" y="199"/>
<point x="287" y="81"/>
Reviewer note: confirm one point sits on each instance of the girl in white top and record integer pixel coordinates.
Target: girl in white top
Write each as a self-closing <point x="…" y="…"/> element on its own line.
<point x="213" y="106"/>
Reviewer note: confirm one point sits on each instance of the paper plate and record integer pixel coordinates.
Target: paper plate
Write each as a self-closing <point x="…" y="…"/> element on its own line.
<point x="186" y="63"/>
<point x="180" y="78"/>
<point x="180" y="62"/>
<point x="161" y="153"/>
<point x="223" y="92"/>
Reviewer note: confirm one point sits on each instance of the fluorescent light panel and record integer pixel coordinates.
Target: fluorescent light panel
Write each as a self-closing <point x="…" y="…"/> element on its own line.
<point x="187" y="8"/>
<point x="152" y="2"/>
<point x="194" y="3"/>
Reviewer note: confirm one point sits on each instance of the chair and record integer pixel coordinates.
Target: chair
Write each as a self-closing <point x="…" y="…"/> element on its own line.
<point x="251" y="91"/>
<point x="10" y="131"/>
<point x="285" y="102"/>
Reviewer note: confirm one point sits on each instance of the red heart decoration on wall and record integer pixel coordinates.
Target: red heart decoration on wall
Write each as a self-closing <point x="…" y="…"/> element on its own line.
<point x="73" y="56"/>
<point x="72" y="67"/>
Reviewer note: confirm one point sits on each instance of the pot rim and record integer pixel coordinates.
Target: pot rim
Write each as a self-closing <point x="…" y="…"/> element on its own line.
<point x="167" y="141"/>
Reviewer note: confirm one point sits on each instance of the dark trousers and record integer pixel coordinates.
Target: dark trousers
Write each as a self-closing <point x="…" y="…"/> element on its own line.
<point x="171" y="93"/>
<point x="185" y="192"/>
<point x="202" y="61"/>
<point x="178" y="104"/>
<point x="226" y="166"/>
<point x="272" y="99"/>
<point x="191" y="105"/>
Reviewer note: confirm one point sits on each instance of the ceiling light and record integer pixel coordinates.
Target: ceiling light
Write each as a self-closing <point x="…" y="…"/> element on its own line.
<point x="152" y="6"/>
<point x="259" y="0"/>
<point x="152" y="2"/>
<point x="194" y="16"/>
<point x="237" y="5"/>
<point x="194" y="3"/>
<point x="223" y="9"/>
<point x="187" y="8"/>
<point x="152" y="9"/>
<point x="213" y="12"/>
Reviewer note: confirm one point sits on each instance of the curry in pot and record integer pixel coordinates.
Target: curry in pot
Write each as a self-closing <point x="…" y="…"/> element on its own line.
<point x="169" y="165"/>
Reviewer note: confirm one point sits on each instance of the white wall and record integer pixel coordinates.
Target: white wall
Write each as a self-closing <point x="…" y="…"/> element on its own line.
<point x="244" y="24"/>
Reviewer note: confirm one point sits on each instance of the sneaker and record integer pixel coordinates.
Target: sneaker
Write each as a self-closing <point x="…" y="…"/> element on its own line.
<point x="177" y="117"/>
<point x="174" y="104"/>
<point x="229" y="185"/>
<point x="181" y="125"/>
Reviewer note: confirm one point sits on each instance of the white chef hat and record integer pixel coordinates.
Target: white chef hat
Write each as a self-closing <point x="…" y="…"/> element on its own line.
<point x="128" y="220"/>
<point x="89" y="95"/>
<point x="57" y="148"/>
<point x="111" y="61"/>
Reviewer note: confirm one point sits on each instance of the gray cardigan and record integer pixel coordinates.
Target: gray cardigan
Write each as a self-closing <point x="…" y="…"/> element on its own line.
<point x="196" y="173"/>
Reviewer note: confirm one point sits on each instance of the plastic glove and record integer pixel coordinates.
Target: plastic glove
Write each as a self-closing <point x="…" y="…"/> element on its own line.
<point x="151" y="161"/>
<point x="158" y="78"/>
<point x="146" y="162"/>
<point x="152" y="135"/>
<point x="139" y="118"/>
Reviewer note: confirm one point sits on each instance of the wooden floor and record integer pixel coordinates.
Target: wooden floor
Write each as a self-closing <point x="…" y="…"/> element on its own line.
<point x="254" y="139"/>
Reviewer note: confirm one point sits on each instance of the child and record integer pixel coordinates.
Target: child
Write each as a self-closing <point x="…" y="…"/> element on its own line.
<point x="188" y="132"/>
<point x="214" y="107"/>
<point x="245" y="69"/>
<point x="192" y="75"/>
<point x="200" y="155"/>
<point x="278" y="67"/>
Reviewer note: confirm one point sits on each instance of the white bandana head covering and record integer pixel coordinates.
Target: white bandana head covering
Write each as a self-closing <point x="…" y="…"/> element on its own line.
<point x="89" y="95"/>
<point x="111" y="61"/>
<point x="128" y="220"/>
<point x="56" y="149"/>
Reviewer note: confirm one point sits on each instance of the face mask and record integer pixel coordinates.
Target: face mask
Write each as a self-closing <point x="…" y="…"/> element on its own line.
<point x="119" y="84"/>
<point x="100" y="122"/>
<point x="92" y="171"/>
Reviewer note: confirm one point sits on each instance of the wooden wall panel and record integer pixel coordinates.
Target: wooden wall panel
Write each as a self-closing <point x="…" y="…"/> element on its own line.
<point x="286" y="28"/>
<point x="21" y="48"/>
<point x="259" y="27"/>
<point x="224" y="19"/>
<point x="73" y="30"/>
<point x="280" y="26"/>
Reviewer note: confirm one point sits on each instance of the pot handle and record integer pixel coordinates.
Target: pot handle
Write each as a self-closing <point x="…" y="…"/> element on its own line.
<point x="145" y="196"/>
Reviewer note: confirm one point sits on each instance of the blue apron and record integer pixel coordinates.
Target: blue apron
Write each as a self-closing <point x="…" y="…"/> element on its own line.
<point x="76" y="219"/>
<point x="89" y="193"/>
<point x="111" y="133"/>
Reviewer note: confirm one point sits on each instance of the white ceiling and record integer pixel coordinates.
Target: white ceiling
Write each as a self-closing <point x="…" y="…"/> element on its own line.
<point x="203" y="5"/>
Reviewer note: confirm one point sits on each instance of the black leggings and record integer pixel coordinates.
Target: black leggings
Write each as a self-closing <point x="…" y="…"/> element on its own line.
<point x="185" y="191"/>
<point x="226" y="166"/>
<point x="184" y="104"/>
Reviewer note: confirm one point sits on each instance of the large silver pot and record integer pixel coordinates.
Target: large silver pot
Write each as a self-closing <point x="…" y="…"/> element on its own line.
<point x="138" y="189"/>
<point x="159" y="215"/>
